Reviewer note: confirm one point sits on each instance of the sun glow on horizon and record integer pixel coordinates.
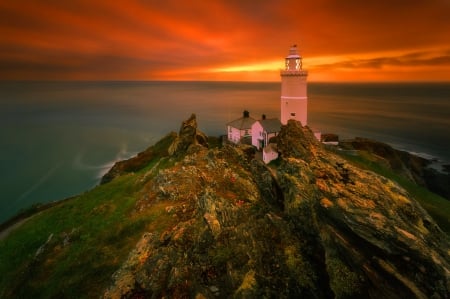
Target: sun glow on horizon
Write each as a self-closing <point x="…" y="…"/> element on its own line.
<point x="399" y="65"/>
<point x="223" y="40"/>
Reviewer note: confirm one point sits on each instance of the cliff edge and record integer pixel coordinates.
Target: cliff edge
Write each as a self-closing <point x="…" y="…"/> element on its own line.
<point x="193" y="221"/>
<point x="412" y="167"/>
<point x="314" y="226"/>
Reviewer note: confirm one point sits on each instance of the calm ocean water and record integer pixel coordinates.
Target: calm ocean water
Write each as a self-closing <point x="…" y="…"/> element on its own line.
<point x="58" y="138"/>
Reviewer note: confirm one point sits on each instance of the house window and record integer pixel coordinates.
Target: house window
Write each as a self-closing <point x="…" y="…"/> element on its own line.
<point x="292" y="113"/>
<point x="246" y="132"/>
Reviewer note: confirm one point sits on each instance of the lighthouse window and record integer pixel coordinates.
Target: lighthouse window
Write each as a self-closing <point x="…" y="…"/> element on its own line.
<point x="293" y="114"/>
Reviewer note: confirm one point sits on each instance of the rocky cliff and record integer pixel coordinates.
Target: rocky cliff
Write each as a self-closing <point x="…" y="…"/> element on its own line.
<point x="312" y="226"/>
<point x="415" y="168"/>
<point x="215" y="222"/>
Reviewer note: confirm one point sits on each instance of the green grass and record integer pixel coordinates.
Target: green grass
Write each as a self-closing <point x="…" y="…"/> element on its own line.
<point x="94" y="220"/>
<point x="437" y="206"/>
<point x="103" y="227"/>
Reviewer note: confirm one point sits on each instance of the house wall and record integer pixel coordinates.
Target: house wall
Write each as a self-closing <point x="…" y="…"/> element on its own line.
<point x="269" y="156"/>
<point x="257" y="134"/>
<point x="260" y="136"/>
<point x="235" y="135"/>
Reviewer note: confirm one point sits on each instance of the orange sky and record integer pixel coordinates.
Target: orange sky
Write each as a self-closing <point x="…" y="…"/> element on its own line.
<point x="349" y="40"/>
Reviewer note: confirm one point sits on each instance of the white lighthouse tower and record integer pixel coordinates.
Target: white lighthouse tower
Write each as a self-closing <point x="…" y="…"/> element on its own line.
<point x="294" y="100"/>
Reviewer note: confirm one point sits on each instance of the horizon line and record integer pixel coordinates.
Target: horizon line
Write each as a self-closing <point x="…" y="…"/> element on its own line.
<point x="227" y="81"/>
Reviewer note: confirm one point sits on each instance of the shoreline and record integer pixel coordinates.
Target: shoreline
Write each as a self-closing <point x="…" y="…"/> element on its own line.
<point x="6" y="227"/>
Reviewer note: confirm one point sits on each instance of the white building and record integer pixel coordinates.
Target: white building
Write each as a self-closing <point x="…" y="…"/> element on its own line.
<point x="240" y="130"/>
<point x="293" y="105"/>
<point x="270" y="153"/>
<point x="294" y="100"/>
<point x="263" y="130"/>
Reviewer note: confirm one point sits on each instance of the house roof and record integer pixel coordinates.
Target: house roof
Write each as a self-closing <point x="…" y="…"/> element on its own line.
<point x="271" y="125"/>
<point x="243" y="123"/>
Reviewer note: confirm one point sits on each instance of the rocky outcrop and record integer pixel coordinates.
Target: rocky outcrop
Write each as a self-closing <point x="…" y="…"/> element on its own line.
<point x="413" y="167"/>
<point x="136" y="163"/>
<point x="188" y="136"/>
<point x="313" y="226"/>
<point x="185" y="220"/>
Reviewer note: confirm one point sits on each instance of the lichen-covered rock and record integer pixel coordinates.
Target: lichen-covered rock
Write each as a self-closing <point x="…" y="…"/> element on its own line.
<point x="415" y="168"/>
<point x="218" y="223"/>
<point x="139" y="161"/>
<point x="296" y="141"/>
<point x="188" y="136"/>
<point x="313" y="226"/>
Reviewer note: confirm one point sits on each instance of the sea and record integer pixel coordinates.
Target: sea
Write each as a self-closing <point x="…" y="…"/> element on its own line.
<point x="57" y="139"/>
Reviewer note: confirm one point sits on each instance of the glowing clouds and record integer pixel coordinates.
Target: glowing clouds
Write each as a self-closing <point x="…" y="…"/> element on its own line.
<point x="222" y="40"/>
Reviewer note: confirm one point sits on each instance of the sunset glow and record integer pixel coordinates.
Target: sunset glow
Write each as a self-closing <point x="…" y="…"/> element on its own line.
<point x="224" y="40"/>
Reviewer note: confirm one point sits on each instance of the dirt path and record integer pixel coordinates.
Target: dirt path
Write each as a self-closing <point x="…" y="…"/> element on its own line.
<point x="4" y="233"/>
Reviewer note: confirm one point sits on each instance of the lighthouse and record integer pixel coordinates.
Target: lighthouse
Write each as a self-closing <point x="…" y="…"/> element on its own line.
<point x="294" y="100"/>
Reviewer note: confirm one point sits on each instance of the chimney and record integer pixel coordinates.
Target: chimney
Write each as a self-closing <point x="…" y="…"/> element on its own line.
<point x="246" y="113"/>
<point x="263" y="117"/>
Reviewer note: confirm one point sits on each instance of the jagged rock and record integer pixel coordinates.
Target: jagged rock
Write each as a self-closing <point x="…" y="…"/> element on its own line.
<point x="314" y="227"/>
<point x="296" y="141"/>
<point x="437" y="182"/>
<point x="139" y="161"/>
<point x="410" y="166"/>
<point x="188" y="140"/>
<point x="267" y="183"/>
<point x="329" y="137"/>
<point x="215" y="223"/>
<point x="188" y="136"/>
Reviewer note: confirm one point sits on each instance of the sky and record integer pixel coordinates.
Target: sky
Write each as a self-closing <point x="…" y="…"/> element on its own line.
<point x="230" y="40"/>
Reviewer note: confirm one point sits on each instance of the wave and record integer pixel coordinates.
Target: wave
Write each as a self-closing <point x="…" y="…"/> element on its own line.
<point x="424" y="155"/>
<point x="101" y="169"/>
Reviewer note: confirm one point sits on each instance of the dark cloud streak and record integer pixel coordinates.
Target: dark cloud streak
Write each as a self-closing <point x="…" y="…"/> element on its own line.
<point x="417" y="59"/>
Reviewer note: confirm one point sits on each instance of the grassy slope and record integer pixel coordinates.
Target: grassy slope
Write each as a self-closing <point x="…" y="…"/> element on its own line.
<point x="101" y="229"/>
<point x="437" y="206"/>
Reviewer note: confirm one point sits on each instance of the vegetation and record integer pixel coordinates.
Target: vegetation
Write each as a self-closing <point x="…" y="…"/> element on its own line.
<point x="435" y="205"/>
<point x="100" y="226"/>
<point x="181" y="220"/>
<point x="344" y="282"/>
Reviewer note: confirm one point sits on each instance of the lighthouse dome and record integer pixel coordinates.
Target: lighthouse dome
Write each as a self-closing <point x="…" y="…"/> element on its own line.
<point x="293" y="52"/>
